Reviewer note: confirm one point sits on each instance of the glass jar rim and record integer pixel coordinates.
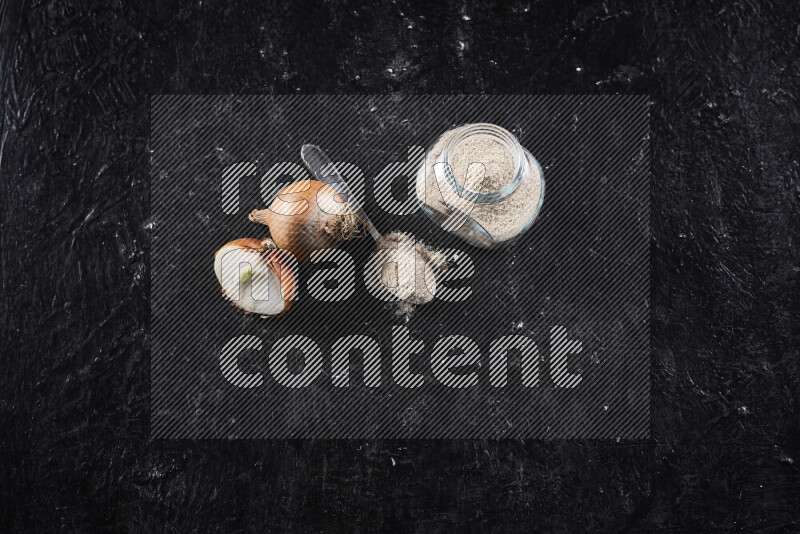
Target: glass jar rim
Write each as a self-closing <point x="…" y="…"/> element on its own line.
<point x="501" y="136"/>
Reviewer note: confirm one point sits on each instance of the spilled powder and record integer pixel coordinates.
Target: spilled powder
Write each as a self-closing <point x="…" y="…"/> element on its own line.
<point x="405" y="269"/>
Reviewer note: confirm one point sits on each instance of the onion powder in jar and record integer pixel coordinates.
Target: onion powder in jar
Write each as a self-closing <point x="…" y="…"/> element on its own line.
<point x="479" y="183"/>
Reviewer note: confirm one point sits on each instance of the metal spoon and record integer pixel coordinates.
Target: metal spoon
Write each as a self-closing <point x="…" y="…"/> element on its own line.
<point x="323" y="168"/>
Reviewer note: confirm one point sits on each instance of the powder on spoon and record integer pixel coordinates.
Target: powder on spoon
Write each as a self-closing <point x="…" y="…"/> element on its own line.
<point x="405" y="269"/>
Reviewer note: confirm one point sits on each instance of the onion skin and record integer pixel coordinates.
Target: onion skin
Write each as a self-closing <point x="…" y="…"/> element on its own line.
<point x="279" y="262"/>
<point x="298" y="223"/>
<point x="245" y="242"/>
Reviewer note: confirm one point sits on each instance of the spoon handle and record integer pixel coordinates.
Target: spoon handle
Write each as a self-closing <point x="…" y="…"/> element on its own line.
<point x="323" y="168"/>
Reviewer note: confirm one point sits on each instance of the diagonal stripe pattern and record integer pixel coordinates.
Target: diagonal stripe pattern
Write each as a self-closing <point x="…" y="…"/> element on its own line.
<point x="565" y="309"/>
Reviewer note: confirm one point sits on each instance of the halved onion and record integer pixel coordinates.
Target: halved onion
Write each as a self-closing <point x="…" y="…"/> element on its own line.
<point x="256" y="276"/>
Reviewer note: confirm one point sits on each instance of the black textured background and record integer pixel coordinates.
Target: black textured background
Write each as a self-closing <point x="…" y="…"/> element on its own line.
<point x="74" y="414"/>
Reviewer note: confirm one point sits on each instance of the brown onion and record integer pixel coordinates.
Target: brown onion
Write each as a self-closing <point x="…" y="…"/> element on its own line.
<point x="265" y="288"/>
<point x="307" y="216"/>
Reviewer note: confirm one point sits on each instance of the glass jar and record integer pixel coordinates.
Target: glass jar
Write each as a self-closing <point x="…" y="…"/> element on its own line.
<point x="479" y="183"/>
